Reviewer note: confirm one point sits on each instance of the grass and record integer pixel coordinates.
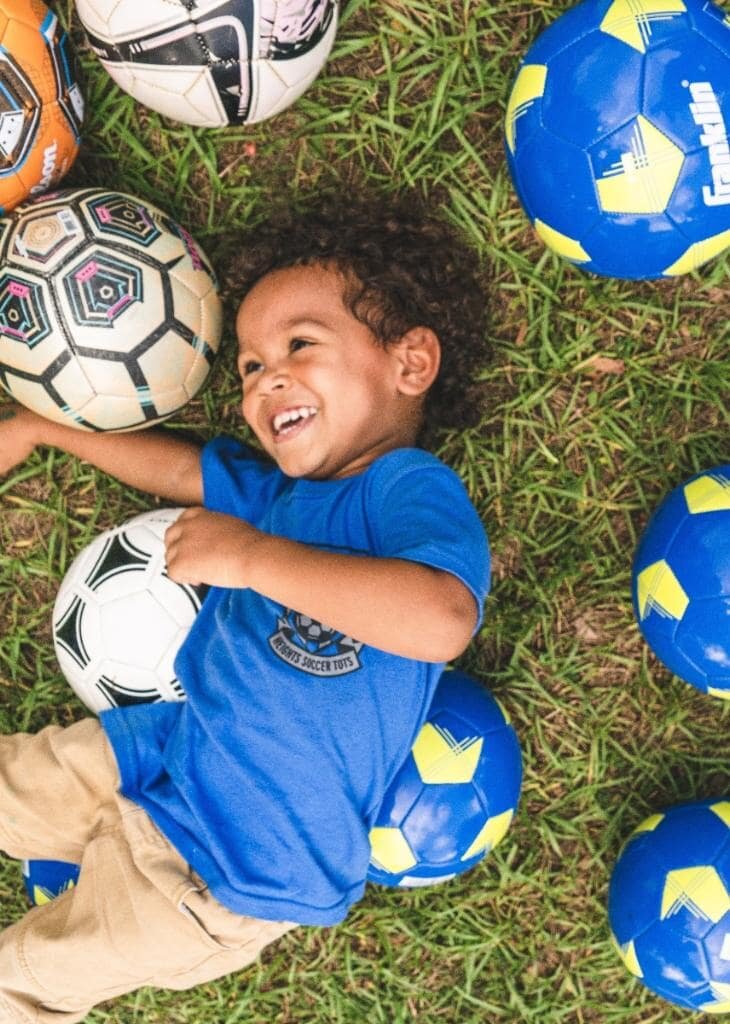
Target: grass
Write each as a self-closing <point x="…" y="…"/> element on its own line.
<point x="601" y="396"/>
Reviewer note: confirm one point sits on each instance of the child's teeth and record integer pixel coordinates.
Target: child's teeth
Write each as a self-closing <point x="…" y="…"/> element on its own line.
<point x="291" y="415"/>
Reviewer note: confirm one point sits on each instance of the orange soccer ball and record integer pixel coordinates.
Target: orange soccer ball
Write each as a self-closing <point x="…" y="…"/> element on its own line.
<point x="41" y="106"/>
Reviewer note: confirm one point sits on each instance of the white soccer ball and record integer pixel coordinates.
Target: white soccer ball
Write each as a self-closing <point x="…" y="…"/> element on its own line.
<point x="212" y="62"/>
<point x="110" y="316"/>
<point x="119" y="620"/>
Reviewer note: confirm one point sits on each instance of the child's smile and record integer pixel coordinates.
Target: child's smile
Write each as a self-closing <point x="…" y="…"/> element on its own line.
<point x="319" y="391"/>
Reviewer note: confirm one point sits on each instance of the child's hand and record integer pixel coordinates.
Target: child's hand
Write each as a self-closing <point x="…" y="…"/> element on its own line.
<point x="18" y="436"/>
<point x="208" y="547"/>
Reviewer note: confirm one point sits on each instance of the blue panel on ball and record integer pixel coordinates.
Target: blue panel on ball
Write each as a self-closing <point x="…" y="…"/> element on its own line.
<point x="517" y="182"/>
<point x="679" y="85"/>
<point x="635" y="889"/>
<point x="700" y="554"/>
<point x="717" y="948"/>
<point x="633" y="246"/>
<point x="473" y="705"/>
<point x="499" y="774"/>
<point x="398" y="800"/>
<point x="703" y="637"/>
<point x="555" y="178"/>
<point x="661" y="529"/>
<point x="443" y="824"/>
<point x="713" y="22"/>
<point x="592" y="88"/>
<point x="576" y="22"/>
<point x="692" y="207"/>
<point x="674" y="966"/>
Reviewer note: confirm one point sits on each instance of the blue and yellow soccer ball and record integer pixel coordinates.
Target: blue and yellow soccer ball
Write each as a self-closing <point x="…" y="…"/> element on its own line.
<point x="669" y="905"/>
<point x="44" y="880"/>
<point x="681" y="582"/>
<point x="617" y="135"/>
<point x="456" y="794"/>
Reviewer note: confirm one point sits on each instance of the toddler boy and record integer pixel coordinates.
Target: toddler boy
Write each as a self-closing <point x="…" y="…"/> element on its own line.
<point x="346" y="567"/>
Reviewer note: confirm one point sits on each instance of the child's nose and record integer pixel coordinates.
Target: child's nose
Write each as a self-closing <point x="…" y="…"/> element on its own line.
<point x="276" y="378"/>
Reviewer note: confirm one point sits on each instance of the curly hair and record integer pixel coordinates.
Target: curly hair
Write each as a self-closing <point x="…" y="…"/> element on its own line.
<point x="403" y="267"/>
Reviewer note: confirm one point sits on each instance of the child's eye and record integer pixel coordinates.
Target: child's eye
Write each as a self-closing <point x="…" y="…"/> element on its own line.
<point x="250" y="366"/>
<point x="296" y="343"/>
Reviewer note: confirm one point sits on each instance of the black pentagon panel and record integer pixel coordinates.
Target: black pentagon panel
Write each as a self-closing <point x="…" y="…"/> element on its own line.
<point x="119" y="555"/>
<point x="101" y="287"/>
<point x="119" y="696"/>
<point x="291" y="35"/>
<point x="122" y="217"/>
<point x="22" y="312"/>
<point x="69" y="635"/>
<point x="20" y="111"/>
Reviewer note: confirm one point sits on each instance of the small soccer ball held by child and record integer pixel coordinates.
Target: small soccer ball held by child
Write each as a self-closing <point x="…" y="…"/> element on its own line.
<point x="360" y="330"/>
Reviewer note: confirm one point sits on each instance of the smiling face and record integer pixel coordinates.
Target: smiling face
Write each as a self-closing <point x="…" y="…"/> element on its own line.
<point x="324" y="398"/>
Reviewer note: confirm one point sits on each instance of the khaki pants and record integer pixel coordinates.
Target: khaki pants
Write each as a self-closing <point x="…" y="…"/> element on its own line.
<point x="138" y="915"/>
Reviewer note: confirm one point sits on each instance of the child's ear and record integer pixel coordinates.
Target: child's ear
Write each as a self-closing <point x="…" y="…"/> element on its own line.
<point x="418" y="352"/>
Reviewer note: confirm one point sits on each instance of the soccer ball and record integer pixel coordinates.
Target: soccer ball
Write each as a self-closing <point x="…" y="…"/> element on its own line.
<point x="681" y="582"/>
<point x="455" y="796"/>
<point x="46" y="879"/>
<point x="109" y="312"/>
<point x="212" y="62"/>
<point x="616" y="136"/>
<point x="119" y="620"/>
<point x="314" y="635"/>
<point x="669" y="905"/>
<point x="41" y="106"/>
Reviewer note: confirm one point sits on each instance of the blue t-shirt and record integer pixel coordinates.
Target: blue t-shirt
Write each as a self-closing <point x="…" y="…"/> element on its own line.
<point x="268" y="777"/>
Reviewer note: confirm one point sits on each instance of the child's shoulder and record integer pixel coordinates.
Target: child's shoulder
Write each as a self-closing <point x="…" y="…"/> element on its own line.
<point x="414" y="469"/>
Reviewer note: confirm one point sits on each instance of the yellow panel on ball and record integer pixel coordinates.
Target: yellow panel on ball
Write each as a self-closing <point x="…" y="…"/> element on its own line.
<point x="630" y="20"/>
<point x="390" y="850"/>
<point x="439" y="758"/>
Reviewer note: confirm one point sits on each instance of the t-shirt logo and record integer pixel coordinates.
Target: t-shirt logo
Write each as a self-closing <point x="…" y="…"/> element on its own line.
<point x="314" y="648"/>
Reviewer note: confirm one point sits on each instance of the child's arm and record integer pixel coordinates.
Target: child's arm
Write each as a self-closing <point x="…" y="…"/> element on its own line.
<point x="152" y="460"/>
<point x="400" y="606"/>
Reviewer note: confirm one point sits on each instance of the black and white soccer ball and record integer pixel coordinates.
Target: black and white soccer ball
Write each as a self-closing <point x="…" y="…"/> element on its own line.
<point x="212" y="62"/>
<point x="110" y="316"/>
<point x="313" y="632"/>
<point x="119" y="620"/>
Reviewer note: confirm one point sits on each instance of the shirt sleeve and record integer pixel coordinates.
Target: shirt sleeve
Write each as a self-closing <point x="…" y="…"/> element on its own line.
<point x="424" y="514"/>
<point x="235" y="480"/>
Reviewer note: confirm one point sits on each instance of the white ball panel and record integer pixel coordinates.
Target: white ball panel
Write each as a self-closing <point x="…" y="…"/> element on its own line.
<point x="211" y="328"/>
<point x="172" y="91"/>
<point x="34" y="359"/>
<point x="197" y="376"/>
<point x="156" y="522"/>
<point x="135" y="628"/>
<point x="188" y="309"/>
<point x="117" y="19"/>
<point x="128" y="677"/>
<point x="105" y="413"/>
<point x="279" y="83"/>
<point x="170" y="596"/>
<point x="167" y="366"/>
<point x="191" y="273"/>
<point x="109" y="380"/>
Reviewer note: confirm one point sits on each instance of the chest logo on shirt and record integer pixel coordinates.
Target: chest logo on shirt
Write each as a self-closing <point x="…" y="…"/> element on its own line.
<point x="314" y="648"/>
